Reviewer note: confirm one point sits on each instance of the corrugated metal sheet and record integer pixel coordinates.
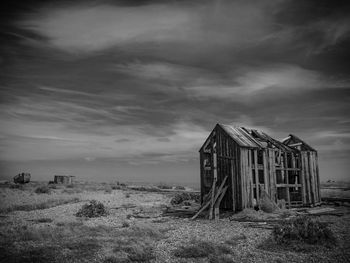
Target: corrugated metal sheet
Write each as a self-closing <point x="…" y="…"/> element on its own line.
<point x="242" y="137"/>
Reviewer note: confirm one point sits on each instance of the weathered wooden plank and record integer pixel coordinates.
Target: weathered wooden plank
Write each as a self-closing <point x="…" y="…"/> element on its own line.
<point x="248" y="171"/>
<point x="256" y="176"/>
<point x="266" y="176"/>
<point x="307" y="178"/>
<point x="233" y="176"/>
<point x="318" y="177"/>
<point x="287" y="178"/>
<point x="243" y="176"/>
<point x="218" y="201"/>
<point x="251" y="188"/>
<point x="302" y="180"/>
<point x="312" y="181"/>
<point x="201" y="210"/>
<point x="212" y="199"/>
<point x="272" y="174"/>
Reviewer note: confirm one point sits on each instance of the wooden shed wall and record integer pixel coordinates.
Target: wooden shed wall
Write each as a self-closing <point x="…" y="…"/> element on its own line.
<point x="240" y="164"/>
<point x="227" y="164"/>
<point x="310" y="177"/>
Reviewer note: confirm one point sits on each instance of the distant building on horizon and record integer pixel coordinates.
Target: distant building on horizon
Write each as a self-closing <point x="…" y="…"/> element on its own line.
<point x="256" y="164"/>
<point x="64" y="179"/>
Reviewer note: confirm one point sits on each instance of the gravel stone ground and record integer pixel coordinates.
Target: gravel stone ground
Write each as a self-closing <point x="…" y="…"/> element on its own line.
<point x="243" y="241"/>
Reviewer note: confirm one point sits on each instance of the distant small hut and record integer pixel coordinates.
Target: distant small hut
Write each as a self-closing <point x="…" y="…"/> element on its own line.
<point x="64" y="179"/>
<point x="22" y="178"/>
<point x="248" y="163"/>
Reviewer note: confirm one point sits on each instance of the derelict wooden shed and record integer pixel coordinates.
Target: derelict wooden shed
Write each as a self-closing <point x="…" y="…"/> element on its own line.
<point x="64" y="179"/>
<point x="255" y="162"/>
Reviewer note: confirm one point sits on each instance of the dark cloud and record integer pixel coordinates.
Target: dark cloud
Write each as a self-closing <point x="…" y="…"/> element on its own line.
<point x="143" y="82"/>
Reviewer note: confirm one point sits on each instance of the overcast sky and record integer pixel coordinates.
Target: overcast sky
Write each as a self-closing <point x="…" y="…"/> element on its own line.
<point x="129" y="90"/>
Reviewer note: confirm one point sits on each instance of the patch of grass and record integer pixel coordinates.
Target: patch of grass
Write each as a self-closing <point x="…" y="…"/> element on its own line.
<point x="220" y="259"/>
<point x="49" y="244"/>
<point x="125" y="224"/>
<point x="76" y="242"/>
<point x="16" y="186"/>
<point x="200" y="249"/>
<point x="303" y="229"/>
<point x="93" y="209"/>
<point x="196" y="250"/>
<point x="52" y="186"/>
<point x="233" y="241"/>
<point x="136" y="251"/>
<point x="39" y="206"/>
<point x="113" y="259"/>
<point x="44" y="189"/>
<point x="43" y="220"/>
<point x="146" y="189"/>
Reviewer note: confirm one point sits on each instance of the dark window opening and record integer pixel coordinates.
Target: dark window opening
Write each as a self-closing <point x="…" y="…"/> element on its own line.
<point x="280" y="177"/>
<point x="261" y="177"/>
<point x="289" y="160"/>
<point x="294" y="177"/>
<point x="297" y="161"/>
<point x="208" y="179"/>
<point x="295" y="194"/>
<point x="253" y="175"/>
<point x="260" y="157"/>
<point x="253" y="157"/>
<point x="281" y="193"/>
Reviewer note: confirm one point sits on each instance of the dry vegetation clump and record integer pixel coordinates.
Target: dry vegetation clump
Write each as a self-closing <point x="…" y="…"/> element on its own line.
<point x="200" y="249"/>
<point x="43" y="220"/>
<point x="39" y="206"/>
<point x="146" y="188"/>
<point x="164" y="187"/>
<point x="93" y="209"/>
<point x="70" y="243"/>
<point x="16" y="186"/>
<point x="303" y="229"/>
<point x="138" y="246"/>
<point x="180" y="187"/>
<point x="44" y="189"/>
<point x="179" y="198"/>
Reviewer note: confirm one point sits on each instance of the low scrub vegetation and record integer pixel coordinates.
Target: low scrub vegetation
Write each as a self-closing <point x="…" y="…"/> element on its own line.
<point x="179" y="198"/>
<point x="76" y="242"/>
<point x="200" y="249"/>
<point x="44" y="189"/>
<point x="146" y="188"/>
<point x="93" y="209"/>
<point x="39" y="206"/>
<point x="303" y="229"/>
<point x="165" y="186"/>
